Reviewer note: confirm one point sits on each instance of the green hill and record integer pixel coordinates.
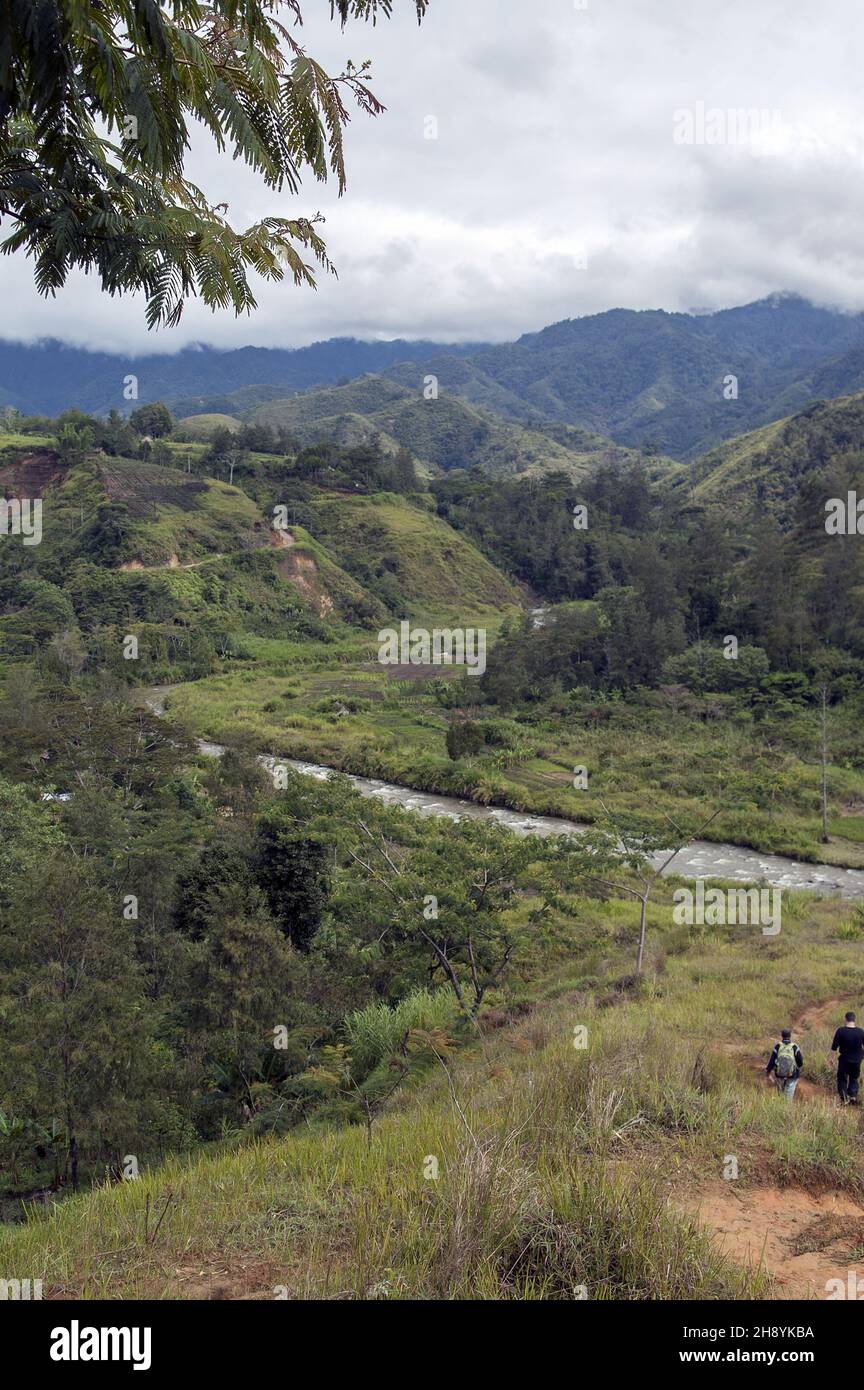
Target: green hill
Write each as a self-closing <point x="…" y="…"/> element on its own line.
<point x="141" y="546"/>
<point x="773" y="467"/>
<point x="155" y="515"/>
<point x="443" y="434"/>
<point x="411" y="555"/>
<point x="188" y="564"/>
<point x="177" y="518"/>
<point x="198" y="427"/>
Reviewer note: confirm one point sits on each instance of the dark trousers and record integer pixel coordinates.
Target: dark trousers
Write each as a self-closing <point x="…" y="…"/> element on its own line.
<point x="848" y="1074"/>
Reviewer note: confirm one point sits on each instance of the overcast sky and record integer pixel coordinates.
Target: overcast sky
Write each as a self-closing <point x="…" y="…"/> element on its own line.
<point x="556" y="186"/>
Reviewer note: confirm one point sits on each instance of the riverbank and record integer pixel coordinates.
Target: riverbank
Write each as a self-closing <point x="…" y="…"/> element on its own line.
<point x="364" y="723"/>
<point x="700" y="860"/>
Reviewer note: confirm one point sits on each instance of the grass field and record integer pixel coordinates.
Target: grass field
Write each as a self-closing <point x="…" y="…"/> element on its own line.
<point x="10" y="440"/>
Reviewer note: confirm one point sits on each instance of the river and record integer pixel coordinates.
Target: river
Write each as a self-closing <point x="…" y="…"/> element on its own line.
<point x="701" y="859"/>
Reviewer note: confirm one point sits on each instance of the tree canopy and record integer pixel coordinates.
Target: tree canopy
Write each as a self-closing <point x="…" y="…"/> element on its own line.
<point x="98" y="99"/>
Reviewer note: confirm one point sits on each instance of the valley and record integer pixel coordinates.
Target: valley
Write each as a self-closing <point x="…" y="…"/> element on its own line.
<point x="431" y="675"/>
<point x="276" y="691"/>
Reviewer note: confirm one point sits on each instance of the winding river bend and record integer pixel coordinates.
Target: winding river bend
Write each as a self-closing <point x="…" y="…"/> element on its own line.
<point x="701" y="859"/>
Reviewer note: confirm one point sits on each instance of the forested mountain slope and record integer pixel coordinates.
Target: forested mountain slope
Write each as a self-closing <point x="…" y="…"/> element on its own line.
<point x="443" y="433"/>
<point x="638" y="376"/>
<point x="791" y="466"/>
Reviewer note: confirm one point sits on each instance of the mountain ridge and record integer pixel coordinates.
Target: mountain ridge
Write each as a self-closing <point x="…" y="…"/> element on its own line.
<point x="674" y="383"/>
<point x="48" y="377"/>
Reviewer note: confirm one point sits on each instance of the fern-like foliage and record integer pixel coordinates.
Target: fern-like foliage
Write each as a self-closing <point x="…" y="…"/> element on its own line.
<point x="97" y="99"/>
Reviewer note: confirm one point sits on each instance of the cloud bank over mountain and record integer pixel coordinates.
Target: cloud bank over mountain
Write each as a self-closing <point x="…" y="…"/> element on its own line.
<point x="513" y="217"/>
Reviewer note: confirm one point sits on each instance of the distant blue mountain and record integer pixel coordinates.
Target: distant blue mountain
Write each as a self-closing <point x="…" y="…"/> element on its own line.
<point x="50" y="376"/>
<point x="677" y="384"/>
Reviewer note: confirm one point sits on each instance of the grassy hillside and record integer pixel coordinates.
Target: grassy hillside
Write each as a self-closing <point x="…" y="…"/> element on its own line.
<point x="175" y="516"/>
<point x="186" y="563"/>
<point x="13" y="444"/>
<point x="428" y="566"/>
<point x="164" y="553"/>
<point x="444" y="433"/>
<point x="732" y="469"/>
<point x="160" y="512"/>
<point x="197" y="427"/>
<point x="521" y="1166"/>
<point x="256" y="592"/>
<point x="771" y="466"/>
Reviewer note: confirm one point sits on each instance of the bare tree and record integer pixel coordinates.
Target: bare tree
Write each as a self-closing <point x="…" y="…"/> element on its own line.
<point x="634" y="849"/>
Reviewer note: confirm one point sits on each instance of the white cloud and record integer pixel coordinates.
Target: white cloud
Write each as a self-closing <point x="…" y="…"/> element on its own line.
<point x="555" y="138"/>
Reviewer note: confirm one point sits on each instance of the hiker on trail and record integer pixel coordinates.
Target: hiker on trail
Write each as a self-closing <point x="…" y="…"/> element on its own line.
<point x="787" y="1064"/>
<point x="849" y="1045"/>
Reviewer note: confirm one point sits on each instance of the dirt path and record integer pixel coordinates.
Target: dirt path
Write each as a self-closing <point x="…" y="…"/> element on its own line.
<point x="751" y="1058"/>
<point x="802" y="1240"/>
<point x="276" y="540"/>
<point x="172" y="564"/>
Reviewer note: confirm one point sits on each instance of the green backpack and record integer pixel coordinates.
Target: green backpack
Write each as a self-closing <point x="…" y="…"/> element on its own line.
<point x="786" y="1065"/>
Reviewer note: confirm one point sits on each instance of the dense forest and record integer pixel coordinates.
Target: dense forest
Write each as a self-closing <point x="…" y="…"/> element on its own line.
<point x="659" y="579"/>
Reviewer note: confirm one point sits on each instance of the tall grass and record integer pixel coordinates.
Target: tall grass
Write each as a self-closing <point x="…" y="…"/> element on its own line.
<point x="557" y="1171"/>
<point x="378" y="1031"/>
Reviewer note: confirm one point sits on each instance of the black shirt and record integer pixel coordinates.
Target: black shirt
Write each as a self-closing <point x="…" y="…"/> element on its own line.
<point x="850" y="1042"/>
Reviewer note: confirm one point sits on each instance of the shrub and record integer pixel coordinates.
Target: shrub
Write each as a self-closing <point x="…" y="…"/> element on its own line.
<point x="376" y="1032"/>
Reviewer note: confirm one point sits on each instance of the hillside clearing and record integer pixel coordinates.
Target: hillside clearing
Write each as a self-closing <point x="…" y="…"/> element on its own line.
<point x="537" y="1192"/>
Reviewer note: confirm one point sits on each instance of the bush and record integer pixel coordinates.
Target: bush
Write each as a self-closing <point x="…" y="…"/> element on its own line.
<point x="377" y="1032"/>
<point x="464" y="739"/>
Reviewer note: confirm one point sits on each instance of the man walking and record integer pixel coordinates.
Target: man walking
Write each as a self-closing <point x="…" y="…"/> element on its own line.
<point x="787" y="1064"/>
<point x="849" y="1045"/>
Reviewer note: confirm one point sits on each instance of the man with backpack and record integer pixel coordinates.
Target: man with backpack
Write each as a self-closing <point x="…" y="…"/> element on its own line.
<point x="849" y="1045"/>
<point x="787" y="1064"/>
